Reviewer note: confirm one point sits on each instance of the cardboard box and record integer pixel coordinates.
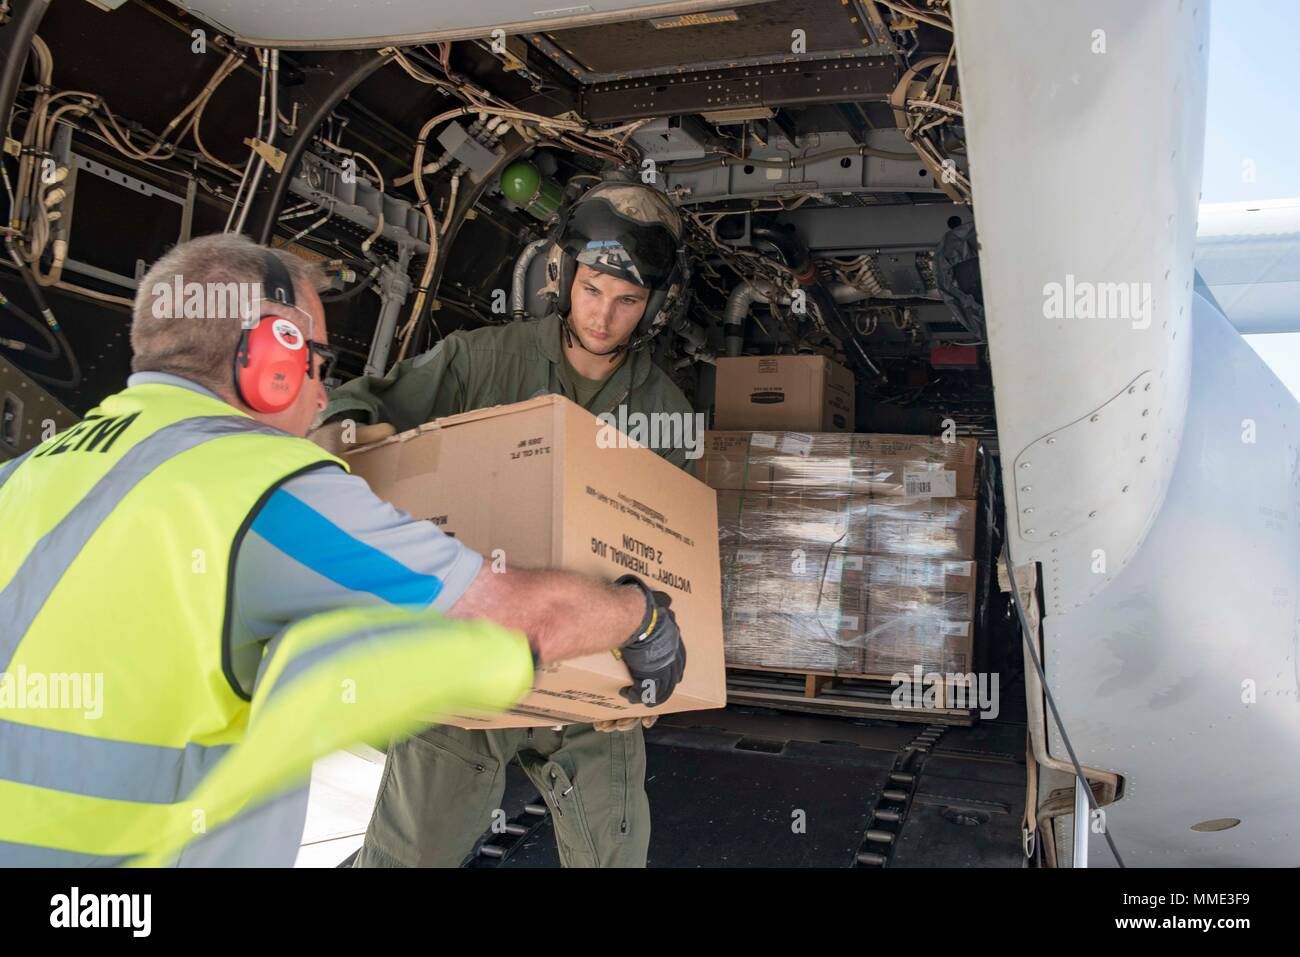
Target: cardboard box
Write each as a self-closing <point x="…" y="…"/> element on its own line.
<point x="853" y="612"/>
<point x="787" y="642"/>
<point x="905" y="601"/>
<point x="782" y="613"/>
<point x="910" y="467"/>
<point x="773" y="582"/>
<point x="530" y="480"/>
<point x="945" y="574"/>
<point x="868" y="605"/>
<point x="900" y="644"/>
<point x="777" y="461"/>
<point x="814" y="522"/>
<point x="796" y="393"/>
<point x="914" y="466"/>
<point x="890" y="598"/>
<point x="936" y="529"/>
<point x="726" y="463"/>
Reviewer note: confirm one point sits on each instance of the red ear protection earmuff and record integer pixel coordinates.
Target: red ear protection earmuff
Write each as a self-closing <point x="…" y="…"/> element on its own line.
<point x="273" y="357"/>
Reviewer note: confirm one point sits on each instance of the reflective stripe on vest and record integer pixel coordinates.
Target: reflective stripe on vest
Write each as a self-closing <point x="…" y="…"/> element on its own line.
<point x="8" y="468"/>
<point x="32" y="855"/>
<point x="45" y="564"/>
<point x="100" y="767"/>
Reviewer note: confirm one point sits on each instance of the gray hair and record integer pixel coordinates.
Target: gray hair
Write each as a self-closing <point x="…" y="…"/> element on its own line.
<point x="191" y="306"/>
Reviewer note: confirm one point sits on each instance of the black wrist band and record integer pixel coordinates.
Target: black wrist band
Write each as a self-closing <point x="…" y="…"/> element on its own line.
<point x="645" y="627"/>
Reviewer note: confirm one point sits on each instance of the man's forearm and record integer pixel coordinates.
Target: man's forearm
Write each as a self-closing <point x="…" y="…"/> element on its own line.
<point x="413" y="392"/>
<point x="370" y="399"/>
<point x="564" y="614"/>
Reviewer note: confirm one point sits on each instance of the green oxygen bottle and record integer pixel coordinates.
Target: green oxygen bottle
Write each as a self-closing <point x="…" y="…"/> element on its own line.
<point x="524" y="184"/>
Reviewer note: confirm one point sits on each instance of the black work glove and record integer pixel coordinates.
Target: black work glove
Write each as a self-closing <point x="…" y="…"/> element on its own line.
<point x="655" y="654"/>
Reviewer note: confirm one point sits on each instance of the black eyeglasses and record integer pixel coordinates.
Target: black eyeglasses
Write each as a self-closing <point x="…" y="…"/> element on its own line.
<point x="327" y="358"/>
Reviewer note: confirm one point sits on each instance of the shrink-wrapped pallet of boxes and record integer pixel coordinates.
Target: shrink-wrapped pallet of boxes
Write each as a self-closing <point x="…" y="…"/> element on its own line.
<point x="786" y="519"/>
<point x="845" y="553"/>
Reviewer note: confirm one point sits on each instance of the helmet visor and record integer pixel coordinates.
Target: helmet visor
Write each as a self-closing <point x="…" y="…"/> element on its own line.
<point x="642" y="253"/>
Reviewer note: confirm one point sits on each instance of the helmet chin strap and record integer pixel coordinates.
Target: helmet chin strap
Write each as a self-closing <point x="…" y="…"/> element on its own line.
<point x="570" y="335"/>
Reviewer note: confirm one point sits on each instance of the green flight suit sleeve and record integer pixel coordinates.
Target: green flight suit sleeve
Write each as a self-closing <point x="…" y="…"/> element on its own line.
<point x="414" y="391"/>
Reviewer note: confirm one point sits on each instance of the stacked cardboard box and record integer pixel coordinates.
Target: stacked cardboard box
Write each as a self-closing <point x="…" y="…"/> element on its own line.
<point x="783" y="392"/>
<point x="842" y="552"/>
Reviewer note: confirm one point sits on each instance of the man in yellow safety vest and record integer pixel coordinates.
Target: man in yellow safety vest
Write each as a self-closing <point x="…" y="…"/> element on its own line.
<point x="227" y="602"/>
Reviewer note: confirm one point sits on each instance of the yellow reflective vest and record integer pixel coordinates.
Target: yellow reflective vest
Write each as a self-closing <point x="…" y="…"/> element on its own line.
<point x="117" y="698"/>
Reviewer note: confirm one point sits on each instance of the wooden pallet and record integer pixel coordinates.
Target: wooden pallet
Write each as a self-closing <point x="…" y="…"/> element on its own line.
<point x="813" y="673"/>
<point x="825" y="692"/>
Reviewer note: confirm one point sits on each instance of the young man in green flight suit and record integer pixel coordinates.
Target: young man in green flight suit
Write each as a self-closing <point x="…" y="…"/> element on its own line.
<point x="615" y="272"/>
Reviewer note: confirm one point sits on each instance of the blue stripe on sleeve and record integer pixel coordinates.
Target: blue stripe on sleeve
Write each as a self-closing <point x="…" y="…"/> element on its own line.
<point x="306" y="535"/>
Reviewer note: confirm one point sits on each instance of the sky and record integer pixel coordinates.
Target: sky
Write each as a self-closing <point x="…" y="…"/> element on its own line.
<point x="1253" y="114"/>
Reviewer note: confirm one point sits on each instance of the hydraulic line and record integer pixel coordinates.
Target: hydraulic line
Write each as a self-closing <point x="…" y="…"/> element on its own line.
<point x="55" y="335"/>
